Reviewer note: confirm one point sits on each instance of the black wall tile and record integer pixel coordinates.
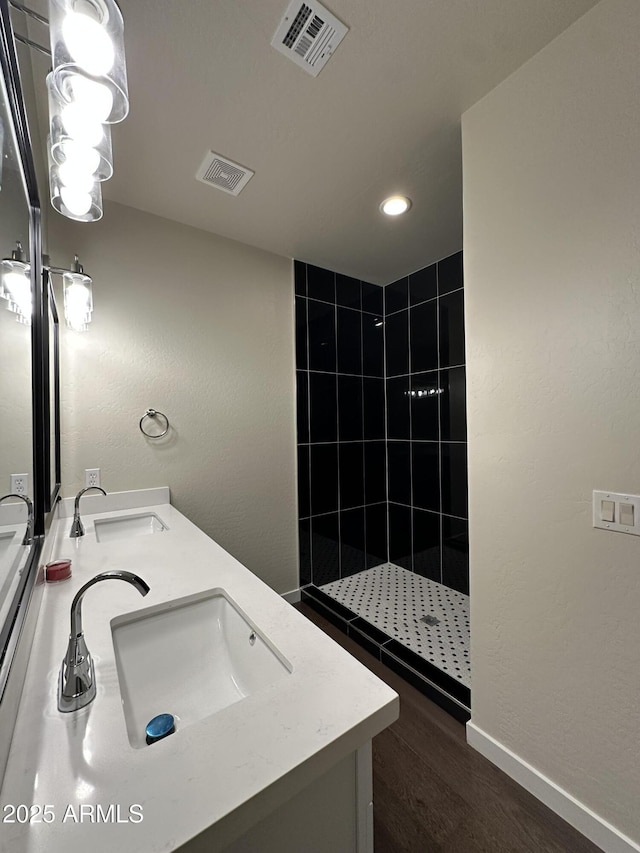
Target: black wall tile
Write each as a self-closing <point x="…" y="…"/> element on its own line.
<point x="396" y="295"/>
<point x="322" y="336"/>
<point x="304" y="494"/>
<point x="302" y="406"/>
<point x="426" y="481"/>
<point x="398" y="423"/>
<point x="399" y="461"/>
<point x="351" y="466"/>
<point x="450" y="274"/>
<point x="349" y="342"/>
<point x="453" y="404"/>
<point x="304" y="547"/>
<point x="455" y="554"/>
<point x="454" y="479"/>
<point x="376" y="529"/>
<point x="300" y="278"/>
<point x="348" y="291"/>
<point x="372" y="298"/>
<point x="400" y="548"/>
<point x="424" y="409"/>
<point x="426" y="544"/>
<point x="373" y="408"/>
<point x="424" y="337"/>
<point x="397" y="343"/>
<point x="350" y="408"/>
<point x="323" y="407"/>
<point x="301" y="333"/>
<point x="423" y="285"/>
<point x="452" y="329"/>
<point x="352" y="542"/>
<point x="321" y="284"/>
<point x="375" y="472"/>
<point x="324" y="478"/>
<point x="325" y="549"/>
<point x="372" y="345"/>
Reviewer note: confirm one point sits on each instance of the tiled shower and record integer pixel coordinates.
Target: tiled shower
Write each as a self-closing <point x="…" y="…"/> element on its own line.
<point x="382" y="478"/>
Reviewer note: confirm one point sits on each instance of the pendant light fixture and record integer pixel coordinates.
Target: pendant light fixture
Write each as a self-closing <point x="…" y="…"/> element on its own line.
<point x="15" y="285"/>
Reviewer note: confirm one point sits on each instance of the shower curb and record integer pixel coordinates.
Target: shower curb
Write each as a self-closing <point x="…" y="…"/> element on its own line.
<point x="452" y="697"/>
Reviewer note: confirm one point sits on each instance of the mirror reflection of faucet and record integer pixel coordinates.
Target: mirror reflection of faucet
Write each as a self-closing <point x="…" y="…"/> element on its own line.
<point x="77" y="528"/>
<point x="77" y="681"/>
<point x="28" y="534"/>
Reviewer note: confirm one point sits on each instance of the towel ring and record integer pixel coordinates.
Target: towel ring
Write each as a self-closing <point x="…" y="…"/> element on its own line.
<point x="153" y="413"/>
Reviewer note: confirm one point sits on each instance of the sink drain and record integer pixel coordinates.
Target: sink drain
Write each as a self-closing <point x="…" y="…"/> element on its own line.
<point x="160" y="727"/>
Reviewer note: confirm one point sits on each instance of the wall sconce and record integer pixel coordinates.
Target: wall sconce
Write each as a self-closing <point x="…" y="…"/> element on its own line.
<point x="87" y="91"/>
<point x="78" y="295"/>
<point x="15" y="285"/>
<point x="87" y="49"/>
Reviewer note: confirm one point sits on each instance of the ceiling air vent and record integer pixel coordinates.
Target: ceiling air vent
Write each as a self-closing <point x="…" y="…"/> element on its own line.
<point x="308" y="34"/>
<point x="224" y="174"/>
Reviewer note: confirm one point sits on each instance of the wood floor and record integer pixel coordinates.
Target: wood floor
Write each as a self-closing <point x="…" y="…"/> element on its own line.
<point x="434" y="793"/>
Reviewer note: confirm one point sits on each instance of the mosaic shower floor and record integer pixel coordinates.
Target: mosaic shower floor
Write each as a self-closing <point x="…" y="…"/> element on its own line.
<point x="397" y="602"/>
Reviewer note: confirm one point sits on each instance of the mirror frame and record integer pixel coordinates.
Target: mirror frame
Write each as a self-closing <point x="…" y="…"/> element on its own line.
<point x="51" y="400"/>
<point x="13" y="629"/>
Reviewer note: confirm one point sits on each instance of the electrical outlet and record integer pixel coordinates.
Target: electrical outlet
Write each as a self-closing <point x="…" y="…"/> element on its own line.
<point x="91" y="477"/>
<point x="20" y="484"/>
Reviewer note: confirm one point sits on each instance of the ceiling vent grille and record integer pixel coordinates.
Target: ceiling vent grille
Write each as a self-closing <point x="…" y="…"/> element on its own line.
<point x="309" y="34"/>
<point x="217" y="171"/>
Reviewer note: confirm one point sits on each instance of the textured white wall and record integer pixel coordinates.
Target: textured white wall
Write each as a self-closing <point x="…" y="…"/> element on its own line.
<point x="201" y="328"/>
<point x="552" y="280"/>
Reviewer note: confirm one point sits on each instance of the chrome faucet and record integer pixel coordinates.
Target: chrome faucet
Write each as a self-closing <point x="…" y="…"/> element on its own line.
<point x="77" y="681"/>
<point x="77" y="528"/>
<point x="28" y="534"/>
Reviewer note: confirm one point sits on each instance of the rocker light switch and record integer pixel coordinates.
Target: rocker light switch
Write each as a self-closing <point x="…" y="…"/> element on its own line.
<point x="608" y="510"/>
<point x="616" y="512"/>
<point x="626" y="515"/>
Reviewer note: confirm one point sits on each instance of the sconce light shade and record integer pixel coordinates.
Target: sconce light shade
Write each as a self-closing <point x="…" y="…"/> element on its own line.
<point x="87" y="48"/>
<point x="78" y="141"/>
<point x="15" y="285"/>
<point x="78" y="297"/>
<point x="74" y="193"/>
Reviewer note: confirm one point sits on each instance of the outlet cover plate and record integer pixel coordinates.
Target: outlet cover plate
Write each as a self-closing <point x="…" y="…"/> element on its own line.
<point x="20" y="484"/>
<point x="91" y="477"/>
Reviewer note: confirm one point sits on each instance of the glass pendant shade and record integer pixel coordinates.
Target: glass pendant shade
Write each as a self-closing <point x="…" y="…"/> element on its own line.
<point x="74" y="193"/>
<point x="77" y="138"/>
<point x="87" y="48"/>
<point x="78" y="299"/>
<point x="15" y="285"/>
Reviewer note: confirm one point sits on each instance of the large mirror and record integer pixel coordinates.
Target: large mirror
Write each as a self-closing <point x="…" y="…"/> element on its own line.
<point x="16" y="407"/>
<point x="24" y="384"/>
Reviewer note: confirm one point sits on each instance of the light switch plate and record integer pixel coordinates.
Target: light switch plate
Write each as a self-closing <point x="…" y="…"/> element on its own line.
<point x="630" y="504"/>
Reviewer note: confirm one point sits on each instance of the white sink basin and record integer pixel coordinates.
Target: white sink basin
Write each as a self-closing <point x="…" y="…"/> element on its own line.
<point x="128" y="526"/>
<point x="191" y="658"/>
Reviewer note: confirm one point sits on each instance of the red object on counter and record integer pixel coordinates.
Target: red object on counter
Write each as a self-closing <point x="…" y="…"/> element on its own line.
<point x="58" y="570"/>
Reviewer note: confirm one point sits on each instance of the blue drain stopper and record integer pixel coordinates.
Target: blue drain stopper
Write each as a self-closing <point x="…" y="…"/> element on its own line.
<point x="161" y="726"/>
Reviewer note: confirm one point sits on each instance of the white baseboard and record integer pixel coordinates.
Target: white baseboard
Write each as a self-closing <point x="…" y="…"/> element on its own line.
<point x="292" y="597"/>
<point x="595" y="828"/>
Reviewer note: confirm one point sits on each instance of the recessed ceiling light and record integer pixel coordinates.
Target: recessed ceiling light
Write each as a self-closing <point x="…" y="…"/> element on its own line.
<point x="395" y="205"/>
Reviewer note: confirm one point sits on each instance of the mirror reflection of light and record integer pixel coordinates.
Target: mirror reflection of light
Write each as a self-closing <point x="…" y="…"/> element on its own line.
<point x="84" y="789"/>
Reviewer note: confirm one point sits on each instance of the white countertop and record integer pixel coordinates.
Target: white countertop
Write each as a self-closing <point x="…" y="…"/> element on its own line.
<point x="230" y="769"/>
